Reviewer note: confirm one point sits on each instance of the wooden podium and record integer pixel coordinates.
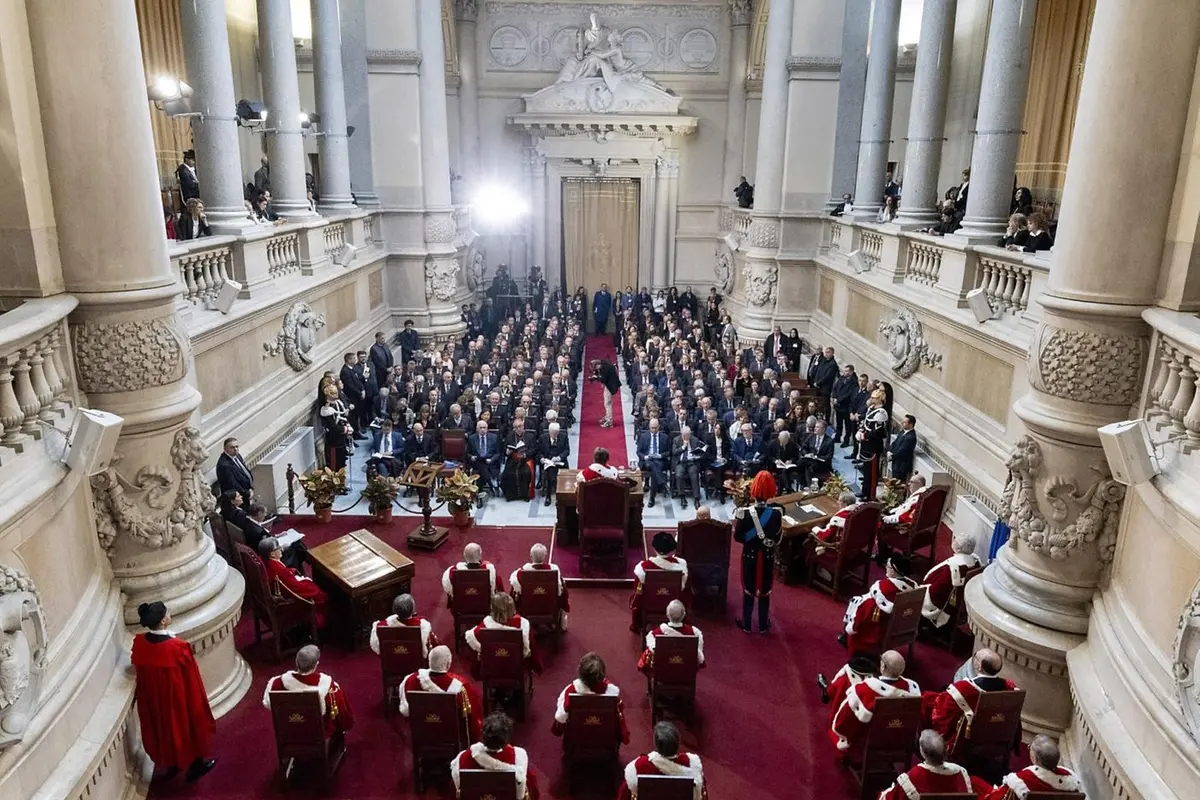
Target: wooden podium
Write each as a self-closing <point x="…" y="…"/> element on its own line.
<point x="362" y="574"/>
<point x="422" y="476"/>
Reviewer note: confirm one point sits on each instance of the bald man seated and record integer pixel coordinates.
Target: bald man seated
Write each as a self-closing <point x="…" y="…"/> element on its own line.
<point x="850" y="723"/>
<point x="934" y="775"/>
<point x="439" y="678"/>
<point x="950" y="712"/>
<point x="1042" y="775"/>
<point x="537" y="563"/>
<point x="472" y="559"/>
<point x="703" y="512"/>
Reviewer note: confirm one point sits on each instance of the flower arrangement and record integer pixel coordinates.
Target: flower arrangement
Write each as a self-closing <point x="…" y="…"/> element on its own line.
<point x="835" y="485"/>
<point x="380" y="492"/>
<point x="459" y="491"/>
<point x="739" y="490"/>
<point x="321" y="486"/>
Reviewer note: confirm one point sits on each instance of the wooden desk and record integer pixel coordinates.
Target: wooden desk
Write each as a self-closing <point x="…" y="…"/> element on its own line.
<point x="361" y="573"/>
<point x="566" y="529"/>
<point x="789" y="561"/>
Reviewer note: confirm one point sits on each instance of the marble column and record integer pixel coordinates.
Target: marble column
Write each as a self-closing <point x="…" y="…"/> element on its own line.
<point x="1087" y="356"/>
<point x="538" y="212"/>
<point x="660" y="276"/>
<point x="875" y="134"/>
<point x="998" y="123"/>
<point x="852" y="88"/>
<point x="281" y="93"/>
<point x="672" y="213"/>
<point x="331" y="106"/>
<point x="132" y="354"/>
<point x="443" y="271"/>
<point x="355" y="79"/>
<point x="735" y="118"/>
<point x="210" y="74"/>
<point x="466" y="12"/>
<point x="927" y="118"/>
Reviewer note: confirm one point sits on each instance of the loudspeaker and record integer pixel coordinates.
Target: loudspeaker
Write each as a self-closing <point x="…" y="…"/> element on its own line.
<point x="977" y="300"/>
<point x="226" y="296"/>
<point x="1129" y="452"/>
<point x="94" y="440"/>
<point x="856" y="261"/>
<point x="346" y="255"/>
<point x="731" y="242"/>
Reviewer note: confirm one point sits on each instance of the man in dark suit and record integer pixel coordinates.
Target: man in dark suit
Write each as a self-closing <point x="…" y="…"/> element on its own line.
<point x="606" y="374"/>
<point x="601" y="306"/>
<point x="381" y="355"/>
<point x="553" y="450"/>
<point x="189" y="184"/>
<point x="747" y="452"/>
<point x="824" y="377"/>
<point x="844" y="390"/>
<point x="420" y="444"/>
<point x="687" y="454"/>
<point x="483" y="454"/>
<point x="410" y="342"/>
<point x="903" y="448"/>
<point x="457" y="419"/>
<point x="354" y="386"/>
<point x="816" y="454"/>
<point x="783" y="459"/>
<point x="387" y="450"/>
<point x="858" y="406"/>
<point x="370" y="378"/>
<point x="890" y="187"/>
<point x="654" y="451"/>
<point x="233" y="475"/>
<point x="775" y="348"/>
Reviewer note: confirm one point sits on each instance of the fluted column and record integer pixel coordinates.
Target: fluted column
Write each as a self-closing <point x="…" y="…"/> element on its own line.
<point x="998" y="124"/>
<point x="331" y="106"/>
<point x="466" y="12"/>
<point x="852" y="88"/>
<point x="281" y="92"/>
<point x="735" y="116"/>
<point x="927" y="119"/>
<point x="875" y="135"/>
<point x="660" y="277"/>
<point x="1088" y="353"/>
<point x="537" y="175"/>
<point x="355" y="79"/>
<point x="131" y="353"/>
<point x="210" y="74"/>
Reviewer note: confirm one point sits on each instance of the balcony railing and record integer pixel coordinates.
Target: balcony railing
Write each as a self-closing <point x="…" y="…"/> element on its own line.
<point x="872" y="248"/>
<point x="1173" y="402"/>
<point x="35" y="370"/>
<point x="924" y="263"/>
<point x="203" y="266"/>
<point x="1006" y="279"/>
<point x="742" y="219"/>
<point x="283" y="254"/>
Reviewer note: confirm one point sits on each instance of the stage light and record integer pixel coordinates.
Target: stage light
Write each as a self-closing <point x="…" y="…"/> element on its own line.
<point x="251" y="113"/>
<point x="171" y="96"/>
<point x="498" y="206"/>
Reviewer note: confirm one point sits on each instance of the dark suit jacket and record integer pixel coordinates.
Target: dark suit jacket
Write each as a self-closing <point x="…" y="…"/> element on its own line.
<point x="189" y="186"/>
<point x="903" y="449"/>
<point x="426" y="446"/>
<point x="353" y="383"/>
<point x="826" y="374"/>
<point x="560" y="448"/>
<point x="844" y="389"/>
<point x="1038" y="241"/>
<point x="606" y="374"/>
<point x="778" y="452"/>
<point x="742" y="452"/>
<point x="188" y="228"/>
<point x="769" y="345"/>
<point x="679" y="451"/>
<point x="233" y="475"/>
<point x="664" y="446"/>
<point x="397" y="444"/>
<point x="475" y="448"/>
<point x="819" y="446"/>
<point x="381" y="358"/>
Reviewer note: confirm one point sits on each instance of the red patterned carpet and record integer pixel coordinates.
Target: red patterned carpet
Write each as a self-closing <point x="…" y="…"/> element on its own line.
<point x="591" y="409"/>
<point x="760" y="726"/>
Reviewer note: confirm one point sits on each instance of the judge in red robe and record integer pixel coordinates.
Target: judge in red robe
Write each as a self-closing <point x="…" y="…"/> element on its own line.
<point x="857" y="670"/>
<point x="941" y="581"/>
<point x="674" y="626"/>
<point x="599" y="468"/>
<point x="297" y="583"/>
<point x="850" y="722"/>
<point x="537" y="562"/>
<point x="439" y="678"/>
<point x="934" y="775"/>
<point x="177" y="722"/>
<point x="664" y="545"/>
<point x="950" y="712"/>
<point x="1043" y="775"/>
<point x="504" y="616"/>
<point x="496" y="752"/>
<point x="404" y="612"/>
<point x="592" y="680"/>
<point x="335" y="707"/>
<point x="665" y="759"/>
<point x="867" y="614"/>
<point x="830" y="534"/>
<point x="472" y="559"/>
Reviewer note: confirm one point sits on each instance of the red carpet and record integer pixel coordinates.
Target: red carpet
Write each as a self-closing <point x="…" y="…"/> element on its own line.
<point x="591" y="410"/>
<point x="760" y="726"/>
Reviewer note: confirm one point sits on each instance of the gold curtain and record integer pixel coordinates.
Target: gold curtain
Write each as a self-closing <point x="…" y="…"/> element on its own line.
<point x="1060" y="39"/>
<point x="162" y="54"/>
<point x="600" y="232"/>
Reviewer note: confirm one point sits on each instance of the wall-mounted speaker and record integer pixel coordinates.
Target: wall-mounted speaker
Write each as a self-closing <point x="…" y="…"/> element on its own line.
<point x="94" y="440"/>
<point x="978" y="303"/>
<point x="1129" y="452"/>
<point x="227" y="294"/>
<point x="857" y="263"/>
<point x="346" y="255"/>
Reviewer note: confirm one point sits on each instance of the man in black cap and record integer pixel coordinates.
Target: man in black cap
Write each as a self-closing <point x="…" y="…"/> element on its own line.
<point x="189" y="183"/>
<point x="664" y="559"/>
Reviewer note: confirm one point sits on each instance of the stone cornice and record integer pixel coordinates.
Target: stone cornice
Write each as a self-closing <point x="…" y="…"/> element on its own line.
<point x="906" y="62"/>
<point x="390" y="60"/>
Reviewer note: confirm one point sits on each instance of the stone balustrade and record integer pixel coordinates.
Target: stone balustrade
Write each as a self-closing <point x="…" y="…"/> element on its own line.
<point x="369" y="230"/>
<point x="36" y="370"/>
<point x="203" y="266"/>
<point x="742" y="219"/>
<point x="283" y="254"/>
<point x="1172" y="403"/>
<point x="1007" y="278"/>
<point x="871" y="248"/>
<point x="835" y="236"/>
<point x="335" y="240"/>
<point x="924" y="264"/>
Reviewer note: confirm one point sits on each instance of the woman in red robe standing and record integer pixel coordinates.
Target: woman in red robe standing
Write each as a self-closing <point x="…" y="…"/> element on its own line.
<point x="177" y="722"/>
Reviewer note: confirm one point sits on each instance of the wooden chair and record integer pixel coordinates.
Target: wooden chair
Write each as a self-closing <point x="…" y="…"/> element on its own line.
<point x="603" y="522"/>
<point x="673" y="679"/>
<point x="487" y="784"/>
<point x="593" y="729"/>
<point x="438" y="732"/>
<point x="399" y="656"/>
<point x="502" y="668"/>
<point x="300" y="734"/>
<point x="665" y="787"/>
<point x="993" y="734"/>
<point x="889" y="745"/>
<point x="538" y="600"/>
<point x="705" y="544"/>
<point x="922" y="534"/>
<point x="904" y="622"/>
<point x="851" y="558"/>
<point x="274" y="605"/>
<point x="950" y="634"/>
<point x="454" y="448"/>
<point x="220" y="535"/>
<point x="658" y="590"/>
<point x="472" y="599"/>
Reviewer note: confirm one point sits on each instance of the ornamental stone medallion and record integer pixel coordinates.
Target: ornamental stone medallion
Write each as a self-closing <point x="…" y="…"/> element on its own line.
<point x="23" y="641"/>
<point x="297" y="337"/>
<point x="508" y="46"/>
<point x="1186" y="665"/>
<point x="906" y="345"/>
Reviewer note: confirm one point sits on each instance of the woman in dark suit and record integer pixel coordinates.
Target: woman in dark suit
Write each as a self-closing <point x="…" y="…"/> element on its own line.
<point x="759" y="529"/>
<point x="192" y="223"/>
<point x="1039" y="236"/>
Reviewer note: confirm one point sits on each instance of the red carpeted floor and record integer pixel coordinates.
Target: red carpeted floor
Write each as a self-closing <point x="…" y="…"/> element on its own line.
<point x="591" y="410"/>
<point x="760" y="726"/>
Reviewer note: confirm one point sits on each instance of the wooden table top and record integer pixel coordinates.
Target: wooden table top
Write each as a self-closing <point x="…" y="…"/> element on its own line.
<point x="359" y="559"/>
<point x="828" y="506"/>
<point x="567" y="481"/>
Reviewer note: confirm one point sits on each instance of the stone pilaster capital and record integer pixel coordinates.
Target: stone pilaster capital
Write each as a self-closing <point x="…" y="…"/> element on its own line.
<point x="740" y="13"/>
<point x="466" y="10"/>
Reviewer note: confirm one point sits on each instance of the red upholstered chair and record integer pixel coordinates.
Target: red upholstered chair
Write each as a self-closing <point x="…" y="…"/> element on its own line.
<point x="658" y="590"/>
<point x="593" y="730"/>
<point x="485" y="784"/>
<point x="952" y="632"/>
<point x="922" y="534"/>
<point x="665" y="787"/>
<point x="538" y="600"/>
<point x="273" y="604"/>
<point x="673" y="679"/>
<point x="502" y="668"/>
<point x="890" y="744"/>
<point x="300" y="734"/>
<point x="904" y="621"/>
<point x="603" y="522"/>
<point x="851" y="558"/>
<point x="438" y="733"/>
<point x="399" y="656"/>
<point x="705" y="544"/>
<point x="472" y="599"/>
<point x="454" y="448"/>
<point x="993" y="735"/>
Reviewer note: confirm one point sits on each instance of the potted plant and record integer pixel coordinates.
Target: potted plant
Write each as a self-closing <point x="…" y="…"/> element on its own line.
<point x="321" y="487"/>
<point x="739" y="490"/>
<point x="894" y="492"/>
<point x="458" y="492"/>
<point x="835" y="485"/>
<point x="380" y="493"/>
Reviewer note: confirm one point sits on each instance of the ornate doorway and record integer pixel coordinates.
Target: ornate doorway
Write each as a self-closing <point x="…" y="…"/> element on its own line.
<point x="601" y="233"/>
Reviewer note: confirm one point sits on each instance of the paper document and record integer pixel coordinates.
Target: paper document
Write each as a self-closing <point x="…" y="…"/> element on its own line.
<point x="288" y="538"/>
<point x="784" y="464"/>
<point x="811" y="509"/>
<point x="789" y="520"/>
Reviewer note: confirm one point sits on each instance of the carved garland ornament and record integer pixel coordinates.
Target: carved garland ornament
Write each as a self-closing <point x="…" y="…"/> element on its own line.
<point x="906" y="344"/>
<point x="23" y="641"/>
<point x="1076" y="518"/>
<point x="441" y="277"/>
<point x="128" y="356"/>
<point x="1078" y="365"/>
<point x="117" y="514"/>
<point x="760" y="279"/>
<point x="1187" y="662"/>
<point x="440" y="229"/>
<point x="297" y="337"/>
<point x="723" y="270"/>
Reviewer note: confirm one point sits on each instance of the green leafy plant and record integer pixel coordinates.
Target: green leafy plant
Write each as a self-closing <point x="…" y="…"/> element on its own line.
<point x="381" y="491"/>
<point x="894" y="492"/>
<point x="322" y="486"/>
<point x="739" y="490"/>
<point x="459" y="490"/>
<point x="835" y="485"/>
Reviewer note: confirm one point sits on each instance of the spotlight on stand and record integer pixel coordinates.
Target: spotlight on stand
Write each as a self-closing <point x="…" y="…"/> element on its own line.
<point x="171" y="96"/>
<point x="251" y="113"/>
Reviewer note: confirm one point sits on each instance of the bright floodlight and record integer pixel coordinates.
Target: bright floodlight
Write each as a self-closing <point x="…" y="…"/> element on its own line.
<point x="498" y="206"/>
<point x="170" y="95"/>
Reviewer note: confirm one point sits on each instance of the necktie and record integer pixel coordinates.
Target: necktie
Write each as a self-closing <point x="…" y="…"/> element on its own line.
<point x="483" y="445"/>
<point x="654" y="444"/>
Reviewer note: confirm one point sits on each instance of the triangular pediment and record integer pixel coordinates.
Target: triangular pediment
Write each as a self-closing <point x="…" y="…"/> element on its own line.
<point x="596" y="96"/>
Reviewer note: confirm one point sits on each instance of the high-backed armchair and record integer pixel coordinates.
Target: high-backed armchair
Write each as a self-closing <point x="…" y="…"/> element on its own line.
<point x="273" y="604"/>
<point x="300" y="733"/>
<point x="438" y="732"/>
<point x="851" y="557"/>
<point x="603" y="522"/>
<point x="889" y="745"/>
<point x="922" y="533"/>
<point x="705" y="544"/>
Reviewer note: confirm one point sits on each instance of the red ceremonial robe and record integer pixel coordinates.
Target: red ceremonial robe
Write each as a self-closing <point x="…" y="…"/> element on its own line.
<point x="927" y="778"/>
<point x="470" y="702"/>
<point x="299" y="585"/>
<point x="670" y="563"/>
<point x="867" y="614"/>
<point x="654" y="764"/>
<point x="507" y="759"/>
<point x="564" y="595"/>
<point x="854" y="715"/>
<point x="177" y="723"/>
<point x="594" y="471"/>
<point x="843" y="682"/>
<point x="1016" y="785"/>
<point x="646" y="661"/>
<point x="904" y="513"/>
<point x="335" y="708"/>
<point x="940" y="583"/>
<point x="448" y="587"/>
<point x="533" y="658"/>
<point x="429" y="638"/>
<point x="579" y="687"/>
<point x="950" y="712"/>
<point x="831" y="533"/>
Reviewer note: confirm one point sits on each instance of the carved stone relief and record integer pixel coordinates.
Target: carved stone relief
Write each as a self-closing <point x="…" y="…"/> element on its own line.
<point x="297" y="337"/>
<point x="23" y="641"/>
<point x="764" y="233"/>
<point x="740" y="12"/>
<point x="906" y="344"/>
<point x="1087" y="365"/>
<point x="1187" y="662"/>
<point x="1077" y="519"/>
<point x="440" y="229"/>
<point x="466" y="10"/>
<point x="143" y="508"/>
<point x="759" y="280"/>
<point x="441" y="277"/>
<point x="476" y="271"/>
<point x="128" y="356"/>
<point x="723" y="270"/>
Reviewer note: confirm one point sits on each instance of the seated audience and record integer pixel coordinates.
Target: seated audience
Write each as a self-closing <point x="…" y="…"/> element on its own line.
<point x="950" y="712"/>
<point x="856" y="670"/>
<point x="665" y="759"/>
<point x="867" y="614"/>
<point x="1017" y="233"/>
<point x="335" y="707"/>
<point x="747" y="450"/>
<point x="816" y="454"/>
<point x="537" y="561"/>
<point x="483" y="456"/>
<point x="593" y="679"/>
<point x="472" y="559"/>
<point x="554" y="450"/>
<point x="404" y="612"/>
<point x="664" y="545"/>
<point x="295" y="582"/>
<point x="1039" y="236"/>
<point x="504" y="616"/>
<point x="783" y="459"/>
<point x="674" y="626"/>
<point x="887" y="212"/>
<point x="496" y="752"/>
<point x="193" y="224"/>
<point x="654" y="454"/>
<point x="905" y="513"/>
<point x="1043" y="775"/>
<point x="1022" y="202"/>
<point x="687" y="453"/>
<point x="946" y="577"/>
<point x="934" y="775"/>
<point x="387" y="451"/>
<point x="850" y="721"/>
<point x="439" y="678"/>
<point x="521" y="448"/>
